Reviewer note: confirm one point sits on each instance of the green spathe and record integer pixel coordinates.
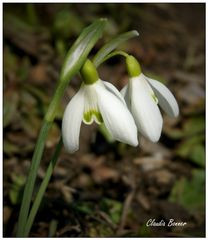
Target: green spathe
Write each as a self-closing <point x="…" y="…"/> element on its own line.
<point x="133" y="66"/>
<point x="89" y="73"/>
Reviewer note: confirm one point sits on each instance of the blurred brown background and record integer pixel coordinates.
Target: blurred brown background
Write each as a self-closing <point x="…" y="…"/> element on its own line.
<point x="106" y="189"/>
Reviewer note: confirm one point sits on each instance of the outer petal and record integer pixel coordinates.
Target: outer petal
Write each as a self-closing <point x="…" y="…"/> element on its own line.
<point x="166" y="99"/>
<point x="117" y="118"/>
<point x="72" y="122"/>
<point x="144" y="109"/>
<point x="125" y="93"/>
<point x="124" y="90"/>
<point x="114" y="90"/>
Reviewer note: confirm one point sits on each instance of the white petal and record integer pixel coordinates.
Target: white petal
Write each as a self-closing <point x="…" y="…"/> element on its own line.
<point x="124" y="90"/>
<point x="166" y="99"/>
<point x="72" y="122"/>
<point x="114" y="90"/>
<point x="117" y="118"/>
<point x="144" y="109"/>
<point x="91" y="111"/>
<point x="125" y="93"/>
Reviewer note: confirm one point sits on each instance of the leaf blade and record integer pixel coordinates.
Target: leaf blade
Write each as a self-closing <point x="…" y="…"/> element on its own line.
<point x="110" y="46"/>
<point x="75" y="58"/>
<point x="79" y="51"/>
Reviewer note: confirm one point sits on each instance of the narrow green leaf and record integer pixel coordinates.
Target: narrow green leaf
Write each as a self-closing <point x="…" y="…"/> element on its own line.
<point x="75" y="58"/>
<point x="29" y="186"/>
<point x="42" y="189"/>
<point x="113" y="44"/>
<point x="52" y="228"/>
<point x="81" y="48"/>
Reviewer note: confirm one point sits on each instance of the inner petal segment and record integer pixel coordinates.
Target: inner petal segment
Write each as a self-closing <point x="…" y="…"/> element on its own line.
<point x="91" y="111"/>
<point x="92" y="115"/>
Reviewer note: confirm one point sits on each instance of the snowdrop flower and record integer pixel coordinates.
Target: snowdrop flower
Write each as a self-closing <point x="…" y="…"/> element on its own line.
<point x="97" y="101"/>
<point x="142" y="95"/>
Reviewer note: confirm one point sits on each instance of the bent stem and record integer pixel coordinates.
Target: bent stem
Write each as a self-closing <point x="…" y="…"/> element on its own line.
<point x="111" y="45"/>
<point x="42" y="189"/>
<point x="113" y="54"/>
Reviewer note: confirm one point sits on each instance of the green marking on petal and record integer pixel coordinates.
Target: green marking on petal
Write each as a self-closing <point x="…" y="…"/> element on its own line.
<point x="91" y="115"/>
<point x="154" y="98"/>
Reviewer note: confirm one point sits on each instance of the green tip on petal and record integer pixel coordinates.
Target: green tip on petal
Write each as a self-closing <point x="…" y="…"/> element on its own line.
<point x="89" y="73"/>
<point x="133" y="66"/>
<point x="92" y="115"/>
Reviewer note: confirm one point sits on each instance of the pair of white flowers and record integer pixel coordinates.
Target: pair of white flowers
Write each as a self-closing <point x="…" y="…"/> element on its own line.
<point x="134" y="109"/>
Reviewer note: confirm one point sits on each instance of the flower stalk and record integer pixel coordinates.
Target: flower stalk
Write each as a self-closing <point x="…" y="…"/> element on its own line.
<point x="74" y="60"/>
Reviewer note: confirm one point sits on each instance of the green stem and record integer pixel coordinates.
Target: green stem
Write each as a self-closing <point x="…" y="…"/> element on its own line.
<point x="55" y="102"/>
<point x="27" y="195"/>
<point x="115" y="53"/>
<point x="113" y="44"/>
<point x="42" y="189"/>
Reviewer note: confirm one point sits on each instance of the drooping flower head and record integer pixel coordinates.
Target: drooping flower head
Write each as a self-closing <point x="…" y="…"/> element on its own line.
<point x="142" y="95"/>
<point x="101" y="102"/>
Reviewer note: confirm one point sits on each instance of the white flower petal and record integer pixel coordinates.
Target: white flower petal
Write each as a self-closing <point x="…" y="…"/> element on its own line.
<point x="144" y="109"/>
<point x="91" y="111"/>
<point x="166" y="99"/>
<point x="117" y="118"/>
<point x="72" y="122"/>
<point x="125" y="93"/>
<point x="114" y="90"/>
<point x="124" y="90"/>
